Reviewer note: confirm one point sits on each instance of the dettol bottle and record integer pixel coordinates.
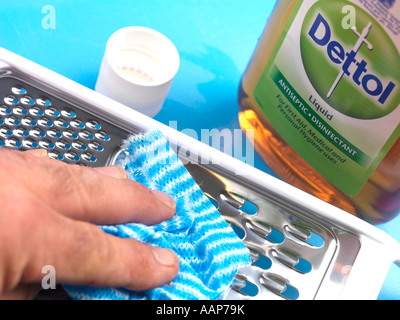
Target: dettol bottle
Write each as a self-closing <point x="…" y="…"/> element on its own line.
<point x="322" y="94"/>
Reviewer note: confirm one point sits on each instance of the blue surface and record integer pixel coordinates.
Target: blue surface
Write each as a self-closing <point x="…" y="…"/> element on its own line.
<point x="215" y="40"/>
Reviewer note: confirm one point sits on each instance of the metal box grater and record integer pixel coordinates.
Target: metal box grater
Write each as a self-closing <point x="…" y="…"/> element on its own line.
<point x="301" y="247"/>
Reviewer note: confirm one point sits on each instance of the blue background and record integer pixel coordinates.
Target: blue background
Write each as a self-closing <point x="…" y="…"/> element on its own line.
<point x="215" y="40"/>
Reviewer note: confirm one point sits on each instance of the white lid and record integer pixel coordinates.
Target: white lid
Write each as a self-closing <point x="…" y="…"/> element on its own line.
<point x="138" y="68"/>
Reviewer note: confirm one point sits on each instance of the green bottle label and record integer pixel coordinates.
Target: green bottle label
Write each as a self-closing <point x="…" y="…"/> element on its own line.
<point x="332" y="86"/>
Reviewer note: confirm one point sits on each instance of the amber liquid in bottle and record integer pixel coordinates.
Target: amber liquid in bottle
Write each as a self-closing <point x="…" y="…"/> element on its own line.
<point x="379" y="199"/>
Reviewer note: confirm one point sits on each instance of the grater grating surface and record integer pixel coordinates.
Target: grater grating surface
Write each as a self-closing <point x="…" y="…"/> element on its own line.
<point x="290" y="253"/>
<point x="301" y="247"/>
<point x="31" y="118"/>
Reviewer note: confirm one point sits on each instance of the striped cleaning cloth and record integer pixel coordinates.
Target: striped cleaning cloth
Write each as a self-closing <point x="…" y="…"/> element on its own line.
<point x="209" y="251"/>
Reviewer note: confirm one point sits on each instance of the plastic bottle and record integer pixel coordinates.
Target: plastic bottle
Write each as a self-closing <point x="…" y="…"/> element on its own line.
<point x="322" y="94"/>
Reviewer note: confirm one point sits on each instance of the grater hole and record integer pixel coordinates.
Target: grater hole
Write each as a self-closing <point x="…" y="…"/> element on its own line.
<point x="290" y="293"/>
<point x="46" y="144"/>
<point x="302" y="233"/>
<point x="238" y="282"/>
<point x="233" y="199"/>
<point x="26" y="100"/>
<point x="89" y="157"/>
<point x="96" y="146"/>
<point x="43" y="102"/>
<point x="13" y="142"/>
<point x="72" y="156"/>
<point x="287" y="258"/>
<point x="5" y="132"/>
<point x="11" y="100"/>
<point x="55" y="155"/>
<point x="63" y="145"/>
<point x="28" y="143"/>
<point x="4" y="110"/>
<point x="86" y="135"/>
<point x="29" y="122"/>
<point x="61" y="123"/>
<point x="20" y="111"/>
<point x="70" y="134"/>
<point x="52" y="112"/>
<point x="249" y="207"/>
<point x="12" y="121"/>
<point x="249" y="289"/>
<point x="68" y="113"/>
<point x="93" y="125"/>
<point x="35" y="111"/>
<point x="275" y="236"/>
<point x="103" y="136"/>
<point x="54" y="133"/>
<point x="303" y="266"/>
<point x="260" y="229"/>
<point x="315" y="240"/>
<point x="37" y="133"/>
<point x="273" y="282"/>
<point x="238" y="230"/>
<point x="19" y="132"/>
<point x="18" y="90"/>
<point x="78" y="124"/>
<point x="79" y="145"/>
<point x="44" y="122"/>
<point x="263" y="262"/>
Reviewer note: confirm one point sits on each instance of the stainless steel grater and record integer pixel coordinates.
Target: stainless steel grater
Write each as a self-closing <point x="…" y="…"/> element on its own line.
<point x="301" y="247"/>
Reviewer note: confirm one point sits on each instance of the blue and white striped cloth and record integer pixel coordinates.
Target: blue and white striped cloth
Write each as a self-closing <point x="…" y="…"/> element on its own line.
<point x="209" y="251"/>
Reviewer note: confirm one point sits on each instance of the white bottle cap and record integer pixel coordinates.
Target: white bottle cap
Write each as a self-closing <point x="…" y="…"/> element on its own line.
<point x="138" y="68"/>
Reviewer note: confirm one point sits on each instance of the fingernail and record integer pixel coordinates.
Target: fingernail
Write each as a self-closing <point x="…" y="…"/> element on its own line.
<point x="113" y="171"/>
<point x="164" y="198"/>
<point x="40" y="153"/>
<point x="165" y="257"/>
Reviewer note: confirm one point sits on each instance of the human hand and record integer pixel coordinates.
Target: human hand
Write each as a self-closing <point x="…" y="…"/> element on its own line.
<point x="49" y="212"/>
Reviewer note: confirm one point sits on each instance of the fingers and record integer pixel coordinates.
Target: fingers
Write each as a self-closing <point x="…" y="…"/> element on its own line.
<point x="87" y="255"/>
<point x="91" y="195"/>
<point x="98" y="195"/>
